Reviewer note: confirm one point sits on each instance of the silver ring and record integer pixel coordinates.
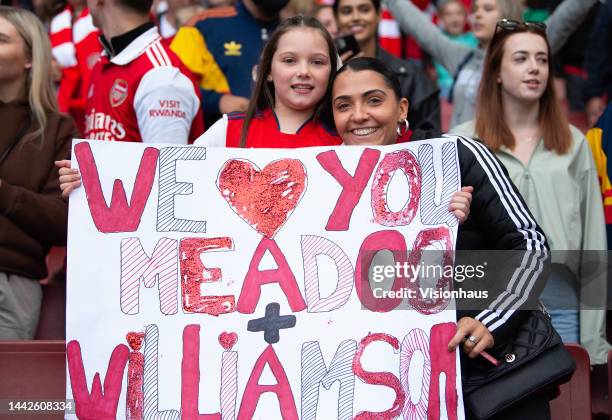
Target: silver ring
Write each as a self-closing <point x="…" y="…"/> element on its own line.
<point x="473" y="339"/>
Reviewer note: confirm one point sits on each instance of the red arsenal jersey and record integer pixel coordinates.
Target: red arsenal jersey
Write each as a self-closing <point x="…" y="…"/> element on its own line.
<point x="143" y="94"/>
<point x="264" y="132"/>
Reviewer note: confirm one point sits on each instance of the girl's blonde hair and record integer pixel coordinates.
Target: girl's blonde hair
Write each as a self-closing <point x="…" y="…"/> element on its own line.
<point x="39" y="83"/>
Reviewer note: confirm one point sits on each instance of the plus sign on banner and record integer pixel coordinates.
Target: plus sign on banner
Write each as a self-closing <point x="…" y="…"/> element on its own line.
<point x="213" y="283"/>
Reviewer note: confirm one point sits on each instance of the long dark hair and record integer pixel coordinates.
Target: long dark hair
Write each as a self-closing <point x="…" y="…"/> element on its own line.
<point x="361" y="64"/>
<point x="491" y="127"/>
<point x="263" y="94"/>
<point x="375" y="65"/>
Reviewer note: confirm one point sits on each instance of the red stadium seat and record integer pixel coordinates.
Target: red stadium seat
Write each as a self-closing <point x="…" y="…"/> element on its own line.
<point x="33" y="370"/>
<point x="574" y="401"/>
<point x="600" y="401"/>
<point x="52" y="321"/>
<point x="610" y="379"/>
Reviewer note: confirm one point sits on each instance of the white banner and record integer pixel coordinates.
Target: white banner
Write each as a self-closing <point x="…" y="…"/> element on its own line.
<point x="233" y="283"/>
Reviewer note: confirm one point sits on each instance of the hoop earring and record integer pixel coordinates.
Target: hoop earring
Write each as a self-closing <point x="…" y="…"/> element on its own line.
<point x="405" y="130"/>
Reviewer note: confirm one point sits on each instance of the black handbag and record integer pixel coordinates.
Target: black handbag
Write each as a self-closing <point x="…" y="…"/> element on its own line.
<point x="534" y="362"/>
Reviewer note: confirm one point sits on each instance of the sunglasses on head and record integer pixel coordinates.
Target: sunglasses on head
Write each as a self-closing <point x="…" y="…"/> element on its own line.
<point x="513" y="25"/>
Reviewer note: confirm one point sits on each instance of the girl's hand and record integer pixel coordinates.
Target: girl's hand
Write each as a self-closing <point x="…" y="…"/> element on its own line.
<point x="460" y="204"/>
<point x="474" y="335"/>
<point x="69" y="179"/>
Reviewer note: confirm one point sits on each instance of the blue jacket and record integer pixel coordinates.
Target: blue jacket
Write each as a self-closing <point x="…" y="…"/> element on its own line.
<point x="221" y="47"/>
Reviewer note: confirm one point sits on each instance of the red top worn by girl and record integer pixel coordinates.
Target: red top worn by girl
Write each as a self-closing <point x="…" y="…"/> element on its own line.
<point x="264" y="132"/>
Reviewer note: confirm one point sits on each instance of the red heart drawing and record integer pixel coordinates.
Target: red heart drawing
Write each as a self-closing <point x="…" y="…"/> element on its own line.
<point x="263" y="198"/>
<point x="134" y="339"/>
<point x="227" y="340"/>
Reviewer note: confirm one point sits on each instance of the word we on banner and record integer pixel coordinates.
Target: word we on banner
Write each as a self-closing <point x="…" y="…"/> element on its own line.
<point x="213" y="283"/>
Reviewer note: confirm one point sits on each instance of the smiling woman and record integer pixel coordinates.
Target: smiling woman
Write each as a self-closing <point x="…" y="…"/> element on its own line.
<point x="360" y="18"/>
<point x="367" y="110"/>
<point x="372" y="116"/>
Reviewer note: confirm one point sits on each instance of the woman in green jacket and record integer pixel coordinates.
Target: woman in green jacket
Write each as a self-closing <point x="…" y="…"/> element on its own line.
<point x="518" y="116"/>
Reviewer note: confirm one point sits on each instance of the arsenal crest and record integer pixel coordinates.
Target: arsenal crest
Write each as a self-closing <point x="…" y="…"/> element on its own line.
<point x="118" y="92"/>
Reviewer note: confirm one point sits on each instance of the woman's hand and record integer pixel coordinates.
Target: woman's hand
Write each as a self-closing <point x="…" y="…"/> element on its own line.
<point x="460" y="204"/>
<point x="69" y="179"/>
<point x="474" y="335"/>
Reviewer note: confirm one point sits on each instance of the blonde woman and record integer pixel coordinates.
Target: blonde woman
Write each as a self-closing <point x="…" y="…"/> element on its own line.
<point x="519" y="118"/>
<point x="33" y="135"/>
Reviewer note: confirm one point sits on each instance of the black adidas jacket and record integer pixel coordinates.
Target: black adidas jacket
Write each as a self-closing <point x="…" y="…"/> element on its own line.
<point x="421" y="92"/>
<point x="499" y="221"/>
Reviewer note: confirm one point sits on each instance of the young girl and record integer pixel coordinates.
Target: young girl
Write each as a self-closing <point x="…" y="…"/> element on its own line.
<point x="549" y="161"/>
<point x="292" y="80"/>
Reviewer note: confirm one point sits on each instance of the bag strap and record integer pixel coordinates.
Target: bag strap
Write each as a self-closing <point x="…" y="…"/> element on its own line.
<point x="465" y="60"/>
<point x="16" y="139"/>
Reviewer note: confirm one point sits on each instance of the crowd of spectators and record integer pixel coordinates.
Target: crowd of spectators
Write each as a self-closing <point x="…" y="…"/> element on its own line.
<point x="579" y="32"/>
